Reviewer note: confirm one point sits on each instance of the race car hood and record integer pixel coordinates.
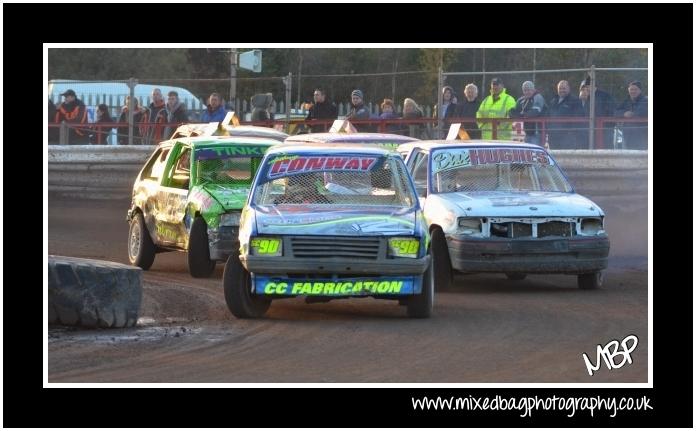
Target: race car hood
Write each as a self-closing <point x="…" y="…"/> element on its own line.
<point x="522" y="204"/>
<point x="228" y="196"/>
<point x="336" y="220"/>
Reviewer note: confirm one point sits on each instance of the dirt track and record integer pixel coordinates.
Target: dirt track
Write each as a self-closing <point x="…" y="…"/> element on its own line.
<point x="485" y="329"/>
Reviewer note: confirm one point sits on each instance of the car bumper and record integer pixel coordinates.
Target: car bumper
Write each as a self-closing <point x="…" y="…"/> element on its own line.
<point x="223" y="241"/>
<point x="282" y="265"/>
<point x="542" y="256"/>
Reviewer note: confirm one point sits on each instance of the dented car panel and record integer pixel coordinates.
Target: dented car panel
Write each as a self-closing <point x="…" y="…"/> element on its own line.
<point x="507" y="208"/>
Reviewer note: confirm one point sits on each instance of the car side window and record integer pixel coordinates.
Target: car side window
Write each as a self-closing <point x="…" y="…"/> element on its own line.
<point x="181" y="173"/>
<point x="420" y="173"/>
<point x="155" y="167"/>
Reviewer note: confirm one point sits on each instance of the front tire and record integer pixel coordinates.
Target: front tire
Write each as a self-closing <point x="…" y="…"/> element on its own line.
<point x="442" y="266"/>
<point x="141" y="249"/>
<point x="200" y="265"/>
<point x="591" y="281"/>
<point x="237" y="286"/>
<point x="421" y="306"/>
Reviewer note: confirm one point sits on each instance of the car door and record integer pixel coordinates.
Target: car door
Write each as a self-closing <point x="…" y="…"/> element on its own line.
<point x="172" y="198"/>
<point x="147" y="189"/>
<point x="418" y="168"/>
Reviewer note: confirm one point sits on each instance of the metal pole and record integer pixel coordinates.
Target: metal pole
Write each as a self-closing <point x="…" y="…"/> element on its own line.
<point x="233" y="82"/>
<point x="299" y="79"/>
<point x="534" y="66"/>
<point x="483" y="69"/>
<point x="288" y="93"/>
<point x="440" y="84"/>
<point x="132" y="82"/>
<point x="63" y="137"/>
<point x="593" y="105"/>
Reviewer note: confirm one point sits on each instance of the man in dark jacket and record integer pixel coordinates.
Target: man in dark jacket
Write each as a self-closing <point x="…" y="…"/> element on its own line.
<point x="175" y="112"/>
<point x="529" y="106"/>
<point x="563" y="136"/>
<point x="156" y="116"/>
<point x="635" y="106"/>
<point x="322" y="110"/>
<point x="604" y="107"/>
<point x="359" y="111"/>
<point x="73" y="111"/>
<point x="467" y="108"/>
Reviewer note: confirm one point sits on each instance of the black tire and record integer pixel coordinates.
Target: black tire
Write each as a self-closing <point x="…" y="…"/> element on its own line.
<point x="590" y="281"/>
<point x="236" y="282"/>
<point x="442" y="266"/>
<point x="141" y="249"/>
<point x="199" y="263"/>
<point x="516" y="276"/>
<point x="93" y="293"/>
<point x="421" y="306"/>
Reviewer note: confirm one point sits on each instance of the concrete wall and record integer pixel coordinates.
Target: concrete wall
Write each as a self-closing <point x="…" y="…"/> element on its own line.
<point x="610" y="177"/>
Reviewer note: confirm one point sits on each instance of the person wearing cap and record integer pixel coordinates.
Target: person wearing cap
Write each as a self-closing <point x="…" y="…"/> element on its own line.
<point x="604" y="107"/>
<point x="359" y="111"/>
<point x="635" y="106"/>
<point x="530" y="105"/>
<point x="564" y="136"/>
<point x="322" y="109"/>
<point x="497" y="105"/>
<point x="73" y="111"/>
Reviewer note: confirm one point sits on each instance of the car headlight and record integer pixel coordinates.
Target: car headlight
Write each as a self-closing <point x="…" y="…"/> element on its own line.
<point x="592" y="226"/>
<point x="266" y="246"/>
<point x="404" y="247"/>
<point x="468" y="225"/>
<point x="230" y="219"/>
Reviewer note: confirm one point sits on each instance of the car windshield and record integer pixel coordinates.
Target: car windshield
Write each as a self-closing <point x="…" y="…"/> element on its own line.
<point x="225" y="166"/>
<point x="495" y="169"/>
<point x="350" y="179"/>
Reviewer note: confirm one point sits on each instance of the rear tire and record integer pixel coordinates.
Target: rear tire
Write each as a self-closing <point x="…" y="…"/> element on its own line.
<point x="141" y="249"/>
<point x="516" y="276"/>
<point x="442" y="266"/>
<point x="421" y="306"/>
<point x="237" y="286"/>
<point x="200" y="265"/>
<point x="590" y="281"/>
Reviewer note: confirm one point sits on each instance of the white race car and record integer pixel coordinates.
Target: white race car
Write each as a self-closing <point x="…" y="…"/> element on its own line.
<point x="505" y="207"/>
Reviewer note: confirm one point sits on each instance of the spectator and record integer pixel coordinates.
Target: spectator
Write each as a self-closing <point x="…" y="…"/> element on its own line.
<point x="635" y="135"/>
<point x="261" y="105"/>
<point x="139" y="116"/>
<point x="53" y="132"/>
<point x="175" y="112"/>
<point x="530" y="105"/>
<point x="411" y="111"/>
<point x="448" y="107"/>
<point x="497" y="105"/>
<point x="216" y="111"/>
<point x="454" y="99"/>
<point x="468" y="108"/>
<point x="564" y="136"/>
<point x="156" y="117"/>
<point x="359" y="111"/>
<point x="73" y="111"/>
<point x="100" y="134"/>
<point x="322" y="110"/>
<point x="604" y="107"/>
<point x="388" y="113"/>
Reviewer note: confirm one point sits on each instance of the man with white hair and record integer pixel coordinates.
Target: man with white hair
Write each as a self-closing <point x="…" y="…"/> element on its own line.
<point x="467" y="109"/>
<point x="530" y="105"/>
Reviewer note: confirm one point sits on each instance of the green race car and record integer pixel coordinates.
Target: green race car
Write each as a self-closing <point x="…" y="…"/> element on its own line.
<point x="189" y="196"/>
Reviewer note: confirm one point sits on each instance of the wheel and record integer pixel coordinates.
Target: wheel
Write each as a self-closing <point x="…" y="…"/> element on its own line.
<point x="200" y="265"/>
<point x="442" y="266"/>
<point x="93" y="293"/>
<point x="590" y="281"/>
<point x="236" y="282"/>
<point x="141" y="249"/>
<point x="421" y="305"/>
<point x="515" y="276"/>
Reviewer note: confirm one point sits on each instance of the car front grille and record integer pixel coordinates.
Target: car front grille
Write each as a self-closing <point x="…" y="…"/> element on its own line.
<point x="554" y="228"/>
<point x="341" y="247"/>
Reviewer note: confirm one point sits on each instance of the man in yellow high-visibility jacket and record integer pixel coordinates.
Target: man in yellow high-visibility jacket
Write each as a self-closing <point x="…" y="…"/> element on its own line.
<point x="497" y="105"/>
